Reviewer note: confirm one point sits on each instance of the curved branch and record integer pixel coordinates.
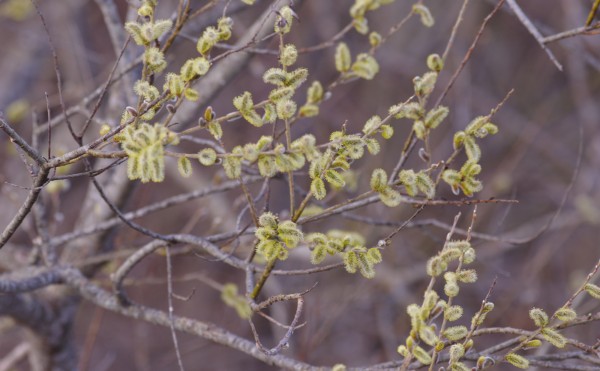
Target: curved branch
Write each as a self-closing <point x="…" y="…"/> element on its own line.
<point x="208" y="331"/>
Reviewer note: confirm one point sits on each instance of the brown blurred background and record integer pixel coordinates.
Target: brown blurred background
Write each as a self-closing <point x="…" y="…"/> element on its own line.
<point x="349" y="319"/>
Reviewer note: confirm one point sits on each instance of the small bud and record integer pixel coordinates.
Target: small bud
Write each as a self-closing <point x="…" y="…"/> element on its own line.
<point x="517" y="360"/>
<point x="423" y="11"/>
<point x="372" y="124"/>
<point x="484" y="362"/>
<point x="456" y="352"/>
<point x="425" y="84"/>
<point x="403" y="351"/>
<point x="184" y="165"/>
<point x="436" y="266"/>
<point x="435" y="62"/>
<point x="593" y="290"/>
<point x="455" y="333"/>
<point x="317" y="187"/>
<point x="132" y="111"/>
<point x="488" y="307"/>
<point x="451" y="289"/>
<point x="435" y="117"/>
<point x="207" y="156"/>
<point x="467" y="276"/>
<point x="288" y="55"/>
<point x="386" y="131"/>
<point x="565" y="314"/>
<point x="539" y="317"/>
<point x="453" y="313"/>
<point x="421" y="355"/>
<point x="469" y="344"/>
<point x="104" y="129"/>
<point x="201" y="66"/>
<point x="535" y="343"/>
<point x="554" y="337"/>
<point x="286" y="108"/>
<point x="374" y="39"/>
<point x="423" y="155"/>
<point x="365" y="66"/>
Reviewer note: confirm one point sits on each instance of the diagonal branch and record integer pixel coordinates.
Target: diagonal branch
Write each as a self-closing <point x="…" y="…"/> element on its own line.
<point x="102" y="298"/>
<point x="533" y="31"/>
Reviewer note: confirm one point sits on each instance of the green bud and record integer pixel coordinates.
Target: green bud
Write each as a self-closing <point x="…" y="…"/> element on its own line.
<point x="554" y="337"/>
<point x="390" y="197"/>
<point x="453" y="313"/>
<point x="436" y="266"/>
<point x="281" y="93"/>
<point x="456" y="352"/>
<point x="184" y="165"/>
<point x="296" y="77"/>
<point x="484" y="362"/>
<point x="375" y="39"/>
<point x="403" y="351"/>
<point x="317" y="187"/>
<point x="275" y="76"/>
<point x="428" y="335"/>
<point x="268" y="219"/>
<point x="472" y="149"/>
<point x="592" y="290"/>
<point x="371" y="125"/>
<point x="314" y="93"/>
<point x="421" y="355"/>
<point x="343" y="59"/>
<point x="308" y="110"/>
<point x="535" y="343"/>
<point x="243" y="102"/>
<point x="285" y="17"/>
<point x="365" y="66"/>
<point x="201" y="66"/>
<point x="288" y="55"/>
<point x="517" y="360"/>
<point x="565" y="314"/>
<point x="455" y="333"/>
<point x="436" y="116"/>
<point x="423" y="11"/>
<point x="467" y="276"/>
<point x="451" y="289"/>
<point x="459" y="138"/>
<point x="386" y="131"/>
<point x="435" y="62"/>
<point x="539" y="317"/>
<point x="378" y="180"/>
<point x="424" y="84"/>
<point x="286" y="109"/>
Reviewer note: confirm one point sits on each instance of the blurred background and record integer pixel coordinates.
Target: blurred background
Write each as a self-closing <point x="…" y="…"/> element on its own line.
<point x="548" y="133"/>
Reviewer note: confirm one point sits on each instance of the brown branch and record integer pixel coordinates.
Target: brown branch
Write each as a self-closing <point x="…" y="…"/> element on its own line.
<point x="571" y="33"/>
<point x="28" y="280"/>
<point x="102" y="298"/>
<point x="284" y="342"/>
<point x="467" y="56"/>
<point x="533" y="31"/>
<point x="19" y="141"/>
<point x="25" y="208"/>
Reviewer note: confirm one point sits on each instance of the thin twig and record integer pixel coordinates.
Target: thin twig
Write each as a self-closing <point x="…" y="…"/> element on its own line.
<point x="467" y="56"/>
<point x="533" y="31"/>
<point x="571" y="33"/>
<point x="284" y="342"/>
<point x="16" y="138"/>
<point x="170" y="303"/>
<point x="25" y="208"/>
<point x="457" y="23"/>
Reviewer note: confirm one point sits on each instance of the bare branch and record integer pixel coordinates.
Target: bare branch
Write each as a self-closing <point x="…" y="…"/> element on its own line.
<point x="533" y="31"/>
